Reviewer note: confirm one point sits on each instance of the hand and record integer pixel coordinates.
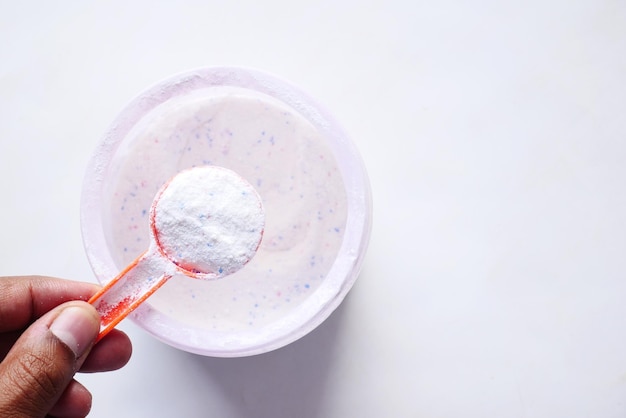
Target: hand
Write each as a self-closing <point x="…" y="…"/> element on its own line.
<point x="47" y="334"/>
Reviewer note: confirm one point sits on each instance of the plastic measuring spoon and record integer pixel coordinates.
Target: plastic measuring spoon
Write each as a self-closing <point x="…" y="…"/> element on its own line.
<point x="206" y="222"/>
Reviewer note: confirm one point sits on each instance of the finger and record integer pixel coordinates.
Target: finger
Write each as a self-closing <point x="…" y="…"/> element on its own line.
<point x="75" y="402"/>
<point x="36" y="371"/>
<point x="24" y="299"/>
<point x="111" y="353"/>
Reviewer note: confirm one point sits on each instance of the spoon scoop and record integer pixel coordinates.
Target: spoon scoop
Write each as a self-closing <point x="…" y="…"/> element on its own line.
<point x="205" y="223"/>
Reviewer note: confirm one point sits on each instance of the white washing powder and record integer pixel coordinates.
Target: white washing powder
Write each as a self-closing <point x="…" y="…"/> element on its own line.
<point x="208" y="220"/>
<point x="290" y="165"/>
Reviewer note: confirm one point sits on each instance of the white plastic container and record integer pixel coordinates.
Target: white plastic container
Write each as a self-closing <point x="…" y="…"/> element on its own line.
<point x="309" y="175"/>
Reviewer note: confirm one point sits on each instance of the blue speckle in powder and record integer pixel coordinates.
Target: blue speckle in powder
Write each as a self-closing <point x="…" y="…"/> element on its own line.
<point x="307" y="286"/>
<point x="144" y="212"/>
<point x="220" y="270"/>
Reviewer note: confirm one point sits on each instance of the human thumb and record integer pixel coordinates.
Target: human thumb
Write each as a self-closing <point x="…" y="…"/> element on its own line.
<point x="44" y="359"/>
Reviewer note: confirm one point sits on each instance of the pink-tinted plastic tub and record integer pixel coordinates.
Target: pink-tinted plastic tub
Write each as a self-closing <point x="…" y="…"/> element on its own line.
<point x="308" y="173"/>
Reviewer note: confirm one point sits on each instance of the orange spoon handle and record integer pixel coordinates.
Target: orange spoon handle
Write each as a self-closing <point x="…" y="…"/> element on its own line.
<point x="128" y="290"/>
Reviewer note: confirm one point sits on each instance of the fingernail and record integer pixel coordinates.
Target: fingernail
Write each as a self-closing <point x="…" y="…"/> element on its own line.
<point x="74" y="327"/>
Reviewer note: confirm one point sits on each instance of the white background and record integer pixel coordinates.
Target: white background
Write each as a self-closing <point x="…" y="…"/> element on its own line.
<point x="494" y="133"/>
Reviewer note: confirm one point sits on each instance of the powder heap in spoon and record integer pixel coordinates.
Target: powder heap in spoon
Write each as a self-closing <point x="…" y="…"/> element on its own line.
<point x="208" y="220"/>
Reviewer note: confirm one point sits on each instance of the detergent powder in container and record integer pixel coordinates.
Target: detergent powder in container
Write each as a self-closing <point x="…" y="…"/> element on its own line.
<point x="308" y="175"/>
